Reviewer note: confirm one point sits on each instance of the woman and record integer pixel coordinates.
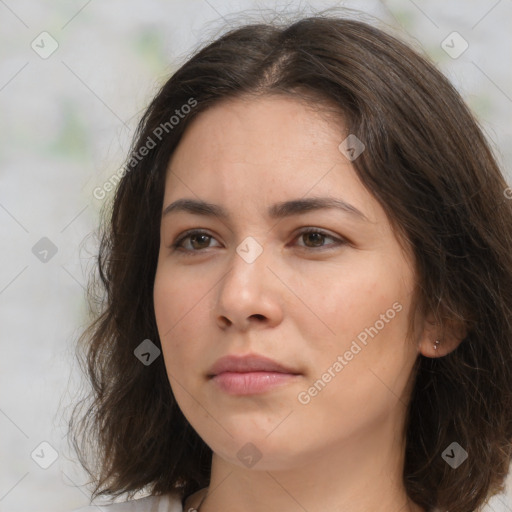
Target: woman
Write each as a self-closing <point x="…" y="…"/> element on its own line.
<point x="308" y="267"/>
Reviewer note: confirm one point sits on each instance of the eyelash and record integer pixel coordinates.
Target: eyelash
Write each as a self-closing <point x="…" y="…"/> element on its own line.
<point x="188" y="234"/>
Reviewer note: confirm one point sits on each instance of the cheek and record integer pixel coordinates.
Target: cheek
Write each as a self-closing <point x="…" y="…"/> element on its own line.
<point x="368" y="317"/>
<point x="179" y="299"/>
<point x="178" y="313"/>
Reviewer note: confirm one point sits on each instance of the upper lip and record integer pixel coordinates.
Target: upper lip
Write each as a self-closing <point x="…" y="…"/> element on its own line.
<point x="248" y="363"/>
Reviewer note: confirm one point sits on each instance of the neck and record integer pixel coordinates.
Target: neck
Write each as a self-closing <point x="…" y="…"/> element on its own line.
<point x="356" y="476"/>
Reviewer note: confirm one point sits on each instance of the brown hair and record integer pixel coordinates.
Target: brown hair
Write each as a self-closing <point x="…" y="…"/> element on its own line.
<point x="426" y="162"/>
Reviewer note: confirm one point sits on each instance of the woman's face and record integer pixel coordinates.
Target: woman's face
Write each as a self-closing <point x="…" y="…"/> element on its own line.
<point x="330" y="306"/>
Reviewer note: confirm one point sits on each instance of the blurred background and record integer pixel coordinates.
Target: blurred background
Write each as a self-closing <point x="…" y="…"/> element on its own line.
<point x="75" y="77"/>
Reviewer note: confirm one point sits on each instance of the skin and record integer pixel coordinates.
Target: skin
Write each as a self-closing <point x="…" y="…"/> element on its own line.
<point x="302" y="302"/>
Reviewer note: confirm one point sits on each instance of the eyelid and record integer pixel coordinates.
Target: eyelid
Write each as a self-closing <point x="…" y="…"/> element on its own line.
<point x="338" y="240"/>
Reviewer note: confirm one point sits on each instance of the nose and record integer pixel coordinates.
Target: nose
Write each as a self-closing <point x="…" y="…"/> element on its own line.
<point x="249" y="295"/>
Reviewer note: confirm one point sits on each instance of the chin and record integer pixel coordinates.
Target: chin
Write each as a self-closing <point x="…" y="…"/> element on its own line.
<point x="256" y="448"/>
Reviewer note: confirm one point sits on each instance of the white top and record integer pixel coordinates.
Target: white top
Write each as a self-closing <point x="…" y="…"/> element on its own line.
<point x="166" y="503"/>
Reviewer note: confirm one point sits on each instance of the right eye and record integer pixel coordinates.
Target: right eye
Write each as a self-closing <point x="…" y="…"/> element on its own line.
<point x="196" y="238"/>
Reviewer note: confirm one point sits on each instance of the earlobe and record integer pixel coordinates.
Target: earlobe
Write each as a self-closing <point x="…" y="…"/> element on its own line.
<point x="436" y="348"/>
<point x="438" y="341"/>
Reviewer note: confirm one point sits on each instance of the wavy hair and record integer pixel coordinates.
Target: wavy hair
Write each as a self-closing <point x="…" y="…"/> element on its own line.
<point x="428" y="164"/>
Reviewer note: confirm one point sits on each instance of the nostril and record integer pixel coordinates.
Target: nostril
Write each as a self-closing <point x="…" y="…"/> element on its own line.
<point x="226" y="321"/>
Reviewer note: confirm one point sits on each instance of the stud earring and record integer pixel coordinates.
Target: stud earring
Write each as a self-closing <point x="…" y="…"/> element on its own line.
<point x="436" y="343"/>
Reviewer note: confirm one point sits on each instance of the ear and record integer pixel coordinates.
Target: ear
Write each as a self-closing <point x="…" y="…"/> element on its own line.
<point x="449" y="335"/>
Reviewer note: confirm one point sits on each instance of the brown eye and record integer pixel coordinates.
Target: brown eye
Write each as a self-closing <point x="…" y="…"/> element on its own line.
<point x="198" y="240"/>
<point x="195" y="241"/>
<point x="314" y="238"/>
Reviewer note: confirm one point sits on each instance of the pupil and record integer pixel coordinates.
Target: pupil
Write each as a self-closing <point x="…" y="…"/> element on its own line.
<point x="196" y="237"/>
<point x="317" y="235"/>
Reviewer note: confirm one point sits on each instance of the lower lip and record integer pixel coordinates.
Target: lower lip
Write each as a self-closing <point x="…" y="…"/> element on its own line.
<point x="249" y="383"/>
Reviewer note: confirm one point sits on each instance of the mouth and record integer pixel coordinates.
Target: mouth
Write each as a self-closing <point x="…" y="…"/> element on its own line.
<point x="250" y="374"/>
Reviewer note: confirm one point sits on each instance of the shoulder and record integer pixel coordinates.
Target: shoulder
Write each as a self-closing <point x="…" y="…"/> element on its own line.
<point x="166" y="503"/>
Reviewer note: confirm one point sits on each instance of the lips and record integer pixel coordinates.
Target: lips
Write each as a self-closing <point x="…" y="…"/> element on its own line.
<point x="249" y="364"/>
<point x="250" y="375"/>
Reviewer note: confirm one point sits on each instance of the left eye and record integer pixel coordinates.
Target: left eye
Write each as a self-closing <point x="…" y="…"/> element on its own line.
<point x="312" y="236"/>
<point x="316" y="237"/>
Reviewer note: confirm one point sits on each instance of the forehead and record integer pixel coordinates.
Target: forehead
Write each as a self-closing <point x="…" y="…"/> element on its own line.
<point x="278" y="122"/>
<point x="269" y="148"/>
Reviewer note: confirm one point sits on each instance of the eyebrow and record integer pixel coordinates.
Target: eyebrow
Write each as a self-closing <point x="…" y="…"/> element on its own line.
<point x="276" y="211"/>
